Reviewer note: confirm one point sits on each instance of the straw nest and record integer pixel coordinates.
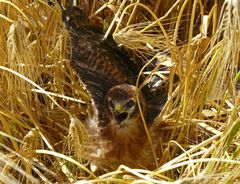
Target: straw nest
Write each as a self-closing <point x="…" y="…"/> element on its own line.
<point x="43" y="107"/>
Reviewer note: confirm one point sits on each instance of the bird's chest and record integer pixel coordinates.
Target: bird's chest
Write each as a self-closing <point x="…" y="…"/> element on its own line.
<point x="128" y="150"/>
<point x="125" y="146"/>
<point x="128" y="153"/>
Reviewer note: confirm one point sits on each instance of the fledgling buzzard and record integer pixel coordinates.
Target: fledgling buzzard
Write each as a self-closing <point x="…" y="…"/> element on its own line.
<point x="109" y="76"/>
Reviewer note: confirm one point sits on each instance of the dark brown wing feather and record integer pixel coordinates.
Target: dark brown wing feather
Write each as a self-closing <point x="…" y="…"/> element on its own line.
<point x="99" y="64"/>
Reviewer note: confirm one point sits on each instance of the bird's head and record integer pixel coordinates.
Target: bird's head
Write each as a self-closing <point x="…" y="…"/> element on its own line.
<point x="122" y="104"/>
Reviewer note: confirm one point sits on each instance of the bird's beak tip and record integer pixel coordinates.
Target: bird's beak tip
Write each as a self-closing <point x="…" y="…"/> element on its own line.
<point x="118" y="108"/>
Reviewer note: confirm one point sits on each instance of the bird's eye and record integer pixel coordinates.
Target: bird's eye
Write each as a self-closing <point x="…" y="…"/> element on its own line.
<point x="110" y="104"/>
<point x="130" y="104"/>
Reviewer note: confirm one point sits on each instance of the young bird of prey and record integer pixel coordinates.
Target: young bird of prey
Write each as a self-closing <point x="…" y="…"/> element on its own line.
<point x="109" y="76"/>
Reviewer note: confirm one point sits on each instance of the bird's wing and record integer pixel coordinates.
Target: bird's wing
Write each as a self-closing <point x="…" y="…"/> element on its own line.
<point x="155" y="104"/>
<point x="156" y="92"/>
<point x="99" y="64"/>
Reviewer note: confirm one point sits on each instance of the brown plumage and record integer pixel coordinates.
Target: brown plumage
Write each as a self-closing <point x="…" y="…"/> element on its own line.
<point x="109" y="75"/>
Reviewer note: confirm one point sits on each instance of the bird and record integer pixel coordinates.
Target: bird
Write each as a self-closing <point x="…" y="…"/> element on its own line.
<point x="109" y="76"/>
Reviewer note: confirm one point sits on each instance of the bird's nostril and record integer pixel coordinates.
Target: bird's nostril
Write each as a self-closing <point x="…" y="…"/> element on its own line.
<point x="121" y="117"/>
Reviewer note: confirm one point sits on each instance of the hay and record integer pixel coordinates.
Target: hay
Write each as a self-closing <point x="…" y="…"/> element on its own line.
<point x="43" y="107"/>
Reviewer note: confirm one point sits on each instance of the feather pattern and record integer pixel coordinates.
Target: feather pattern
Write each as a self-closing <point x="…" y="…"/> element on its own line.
<point x="99" y="63"/>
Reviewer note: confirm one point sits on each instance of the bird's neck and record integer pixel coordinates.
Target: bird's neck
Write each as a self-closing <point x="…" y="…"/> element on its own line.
<point x="133" y="131"/>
